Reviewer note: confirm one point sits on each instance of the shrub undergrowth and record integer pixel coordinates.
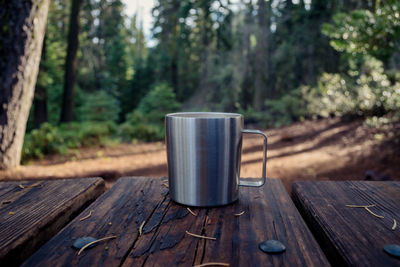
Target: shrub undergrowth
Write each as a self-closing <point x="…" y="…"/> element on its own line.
<point x="50" y="139"/>
<point x="145" y="123"/>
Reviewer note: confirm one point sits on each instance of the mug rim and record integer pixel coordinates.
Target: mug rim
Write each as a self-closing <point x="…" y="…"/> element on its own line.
<point x="204" y="115"/>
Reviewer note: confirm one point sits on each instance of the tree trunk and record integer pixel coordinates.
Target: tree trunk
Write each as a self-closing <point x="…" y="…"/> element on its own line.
<point x="22" y="30"/>
<point x="71" y="62"/>
<point x="247" y="84"/>
<point x="261" y="63"/>
<point x="174" y="50"/>
<point x="40" y="98"/>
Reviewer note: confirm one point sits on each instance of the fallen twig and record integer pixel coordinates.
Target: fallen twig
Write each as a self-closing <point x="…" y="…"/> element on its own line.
<point x="212" y="264"/>
<point x="194" y="214"/>
<point x="200" y="236"/>
<point x="394" y="224"/>
<point x="239" y="214"/>
<point x="96" y="241"/>
<point x="87" y="216"/>
<point x="6" y="202"/>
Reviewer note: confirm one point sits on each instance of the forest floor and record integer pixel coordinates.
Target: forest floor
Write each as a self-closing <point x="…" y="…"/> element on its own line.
<point x="327" y="149"/>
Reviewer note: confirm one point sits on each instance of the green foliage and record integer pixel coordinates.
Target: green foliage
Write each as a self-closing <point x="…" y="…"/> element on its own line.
<point x="100" y="106"/>
<point x="86" y="134"/>
<point x="42" y="141"/>
<point x="50" y="139"/>
<point x="211" y="49"/>
<point x="377" y="122"/>
<point x="285" y="110"/>
<point x="147" y="121"/>
<point x="140" y="85"/>
<point x="158" y="102"/>
<point x="331" y="96"/>
<point x="105" y="59"/>
<point x="369" y="93"/>
<point x="363" y="87"/>
<point x="141" y="131"/>
<point x="365" y="32"/>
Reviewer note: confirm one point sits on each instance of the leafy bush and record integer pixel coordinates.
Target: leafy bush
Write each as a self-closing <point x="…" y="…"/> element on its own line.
<point x="366" y="94"/>
<point x="331" y="96"/>
<point x="285" y="110"/>
<point x="100" y="106"/>
<point x="365" y="32"/>
<point x="158" y="102"/>
<point x="39" y="142"/>
<point x="50" y="139"/>
<point x="364" y="91"/>
<point x="146" y="123"/>
<point x="86" y="134"/>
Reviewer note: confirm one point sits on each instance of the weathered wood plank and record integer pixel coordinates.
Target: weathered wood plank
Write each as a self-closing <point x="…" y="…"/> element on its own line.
<point x="31" y="212"/>
<point x="269" y="214"/>
<point x="352" y="236"/>
<point x="120" y="211"/>
<point x="168" y="244"/>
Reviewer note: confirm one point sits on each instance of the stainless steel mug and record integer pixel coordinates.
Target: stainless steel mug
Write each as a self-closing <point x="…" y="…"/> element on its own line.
<point x="204" y="153"/>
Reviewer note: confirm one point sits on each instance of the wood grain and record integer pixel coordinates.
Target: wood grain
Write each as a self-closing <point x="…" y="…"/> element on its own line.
<point x="351" y="236"/>
<point x="30" y="216"/>
<point x="269" y="214"/>
<point x="120" y="211"/>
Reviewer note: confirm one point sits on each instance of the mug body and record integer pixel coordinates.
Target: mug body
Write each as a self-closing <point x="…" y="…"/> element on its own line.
<point x="203" y="152"/>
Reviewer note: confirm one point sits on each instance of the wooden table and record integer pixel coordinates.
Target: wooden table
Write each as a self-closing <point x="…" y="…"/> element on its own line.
<point x="136" y="205"/>
<point x="33" y="212"/>
<point x="349" y="235"/>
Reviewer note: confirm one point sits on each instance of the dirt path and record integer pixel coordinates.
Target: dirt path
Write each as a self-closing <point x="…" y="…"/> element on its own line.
<point x="324" y="149"/>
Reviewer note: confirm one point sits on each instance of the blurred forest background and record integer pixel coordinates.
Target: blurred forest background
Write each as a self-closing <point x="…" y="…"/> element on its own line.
<point x="276" y="62"/>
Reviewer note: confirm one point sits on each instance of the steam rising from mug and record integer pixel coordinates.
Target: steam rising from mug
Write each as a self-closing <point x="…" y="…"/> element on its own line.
<point x="204" y="152"/>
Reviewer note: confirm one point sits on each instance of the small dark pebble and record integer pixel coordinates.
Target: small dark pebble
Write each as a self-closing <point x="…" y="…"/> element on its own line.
<point x="392" y="250"/>
<point x="83" y="241"/>
<point x="272" y="246"/>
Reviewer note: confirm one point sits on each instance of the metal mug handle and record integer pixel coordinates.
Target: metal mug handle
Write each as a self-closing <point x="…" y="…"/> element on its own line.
<point x="259" y="182"/>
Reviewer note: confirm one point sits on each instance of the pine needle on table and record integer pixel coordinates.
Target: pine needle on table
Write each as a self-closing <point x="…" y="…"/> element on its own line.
<point x="194" y="214"/>
<point x="239" y="214"/>
<point x="366" y="207"/>
<point x="30" y="186"/>
<point x="200" y="236"/>
<point x="361" y="206"/>
<point x="394" y="224"/>
<point x="87" y="216"/>
<point x="141" y="228"/>
<point x="376" y="215"/>
<point x="212" y="264"/>
<point x="94" y="242"/>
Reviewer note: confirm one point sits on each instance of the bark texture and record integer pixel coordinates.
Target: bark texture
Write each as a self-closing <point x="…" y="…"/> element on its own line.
<point x="22" y="30"/>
